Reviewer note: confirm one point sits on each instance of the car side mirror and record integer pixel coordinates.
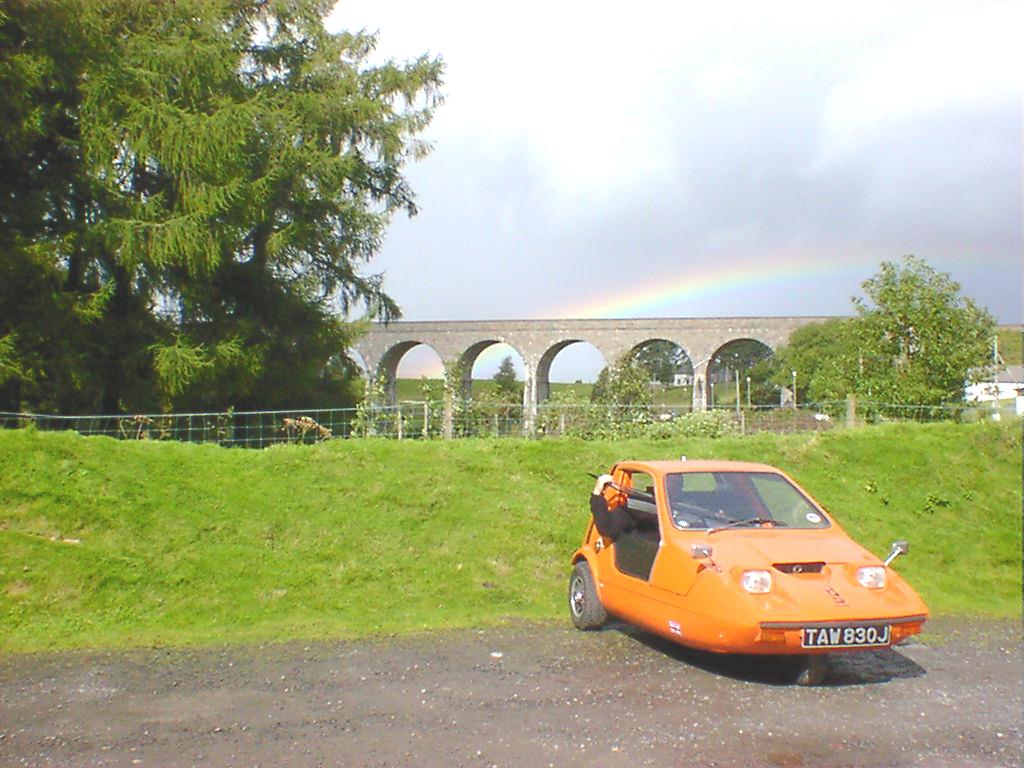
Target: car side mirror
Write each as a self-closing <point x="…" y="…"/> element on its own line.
<point x="700" y="551"/>
<point x="900" y="547"/>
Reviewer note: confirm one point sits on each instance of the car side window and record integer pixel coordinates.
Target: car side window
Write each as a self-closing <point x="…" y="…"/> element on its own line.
<point x="641" y="498"/>
<point x="635" y="549"/>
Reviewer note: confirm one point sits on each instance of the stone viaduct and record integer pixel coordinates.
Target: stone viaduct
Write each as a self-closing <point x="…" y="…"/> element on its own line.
<point x="539" y="341"/>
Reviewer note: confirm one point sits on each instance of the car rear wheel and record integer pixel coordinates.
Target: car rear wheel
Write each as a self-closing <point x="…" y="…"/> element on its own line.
<point x="584" y="606"/>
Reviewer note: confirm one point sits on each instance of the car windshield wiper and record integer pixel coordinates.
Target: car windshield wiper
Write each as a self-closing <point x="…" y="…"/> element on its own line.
<point x="746" y="521"/>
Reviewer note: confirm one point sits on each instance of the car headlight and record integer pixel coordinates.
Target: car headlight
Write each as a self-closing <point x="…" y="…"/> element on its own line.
<point x="872" y="577"/>
<point x="756" y="582"/>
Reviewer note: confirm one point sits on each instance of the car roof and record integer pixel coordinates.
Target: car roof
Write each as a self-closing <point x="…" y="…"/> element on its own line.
<point x="698" y="465"/>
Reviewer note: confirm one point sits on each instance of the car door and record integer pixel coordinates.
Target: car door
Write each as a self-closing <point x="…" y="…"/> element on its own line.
<point x="687" y="497"/>
<point x="627" y="563"/>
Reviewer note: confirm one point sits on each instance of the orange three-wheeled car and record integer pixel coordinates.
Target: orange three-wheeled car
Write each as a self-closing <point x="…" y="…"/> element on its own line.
<point x="736" y="557"/>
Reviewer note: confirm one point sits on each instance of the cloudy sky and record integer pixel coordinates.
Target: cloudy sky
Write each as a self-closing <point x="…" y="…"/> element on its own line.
<point x="650" y="159"/>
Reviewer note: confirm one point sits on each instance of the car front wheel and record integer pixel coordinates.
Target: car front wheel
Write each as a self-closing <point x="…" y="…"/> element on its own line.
<point x="813" y="670"/>
<point x="584" y="606"/>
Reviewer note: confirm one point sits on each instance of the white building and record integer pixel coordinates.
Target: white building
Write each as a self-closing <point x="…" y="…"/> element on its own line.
<point x="1007" y="384"/>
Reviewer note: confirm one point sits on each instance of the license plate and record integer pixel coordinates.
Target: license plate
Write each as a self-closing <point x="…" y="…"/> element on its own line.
<point x="845" y="637"/>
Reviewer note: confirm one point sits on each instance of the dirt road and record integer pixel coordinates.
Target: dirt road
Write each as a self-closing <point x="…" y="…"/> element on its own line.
<point x="518" y="696"/>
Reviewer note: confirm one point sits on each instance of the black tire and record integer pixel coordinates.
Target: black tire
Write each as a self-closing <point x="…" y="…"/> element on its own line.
<point x="584" y="605"/>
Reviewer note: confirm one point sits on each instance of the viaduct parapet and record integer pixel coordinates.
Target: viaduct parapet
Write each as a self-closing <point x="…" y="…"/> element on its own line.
<point x="539" y="341"/>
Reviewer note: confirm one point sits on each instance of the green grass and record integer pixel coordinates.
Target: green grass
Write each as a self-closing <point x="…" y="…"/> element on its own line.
<point x="419" y="389"/>
<point x="186" y="544"/>
<point x="1010" y="344"/>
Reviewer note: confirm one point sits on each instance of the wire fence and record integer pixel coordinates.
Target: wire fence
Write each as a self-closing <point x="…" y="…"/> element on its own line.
<point x="426" y="420"/>
<point x="230" y="428"/>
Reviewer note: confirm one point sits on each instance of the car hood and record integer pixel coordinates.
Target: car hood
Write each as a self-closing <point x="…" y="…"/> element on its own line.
<point x="751" y="549"/>
<point x="831" y="593"/>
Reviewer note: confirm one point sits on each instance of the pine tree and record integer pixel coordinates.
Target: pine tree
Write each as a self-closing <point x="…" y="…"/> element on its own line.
<point x="230" y="169"/>
<point x="505" y="380"/>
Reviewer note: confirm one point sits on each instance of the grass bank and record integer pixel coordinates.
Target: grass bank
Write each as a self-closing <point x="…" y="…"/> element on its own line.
<point x="1010" y="337"/>
<point x="106" y="543"/>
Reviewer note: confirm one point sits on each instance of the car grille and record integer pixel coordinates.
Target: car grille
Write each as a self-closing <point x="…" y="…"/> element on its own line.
<point x="799" y="567"/>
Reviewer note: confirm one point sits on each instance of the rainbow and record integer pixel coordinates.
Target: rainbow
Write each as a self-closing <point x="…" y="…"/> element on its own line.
<point x="673" y="296"/>
<point x="777" y="271"/>
<point x="770" y="271"/>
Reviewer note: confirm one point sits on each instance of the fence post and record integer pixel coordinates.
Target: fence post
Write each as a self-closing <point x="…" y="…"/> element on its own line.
<point x="426" y="420"/>
<point x="447" y="416"/>
<point x="398" y="426"/>
<point x="851" y="410"/>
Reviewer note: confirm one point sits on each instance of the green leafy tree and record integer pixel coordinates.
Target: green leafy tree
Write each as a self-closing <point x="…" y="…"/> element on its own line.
<point x="662" y="360"/>
<point x="917" y="339"/>
<point x="821" y="355"/>
<point x="625" y="383"/>
<point x="763" y="391"/>
<point x="49" y="305"/>
<point x="505" y="381"/>
<point x="10" y="366"/>
<point x="914" y="341"/>
<point x="221" y="171"/>
<point x="740" y="355"/>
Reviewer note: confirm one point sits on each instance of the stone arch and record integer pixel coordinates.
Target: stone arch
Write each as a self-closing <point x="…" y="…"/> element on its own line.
<point x="684" y="375"/>
<point x="543" y="373"/>
<point x="680" y="346"/>
<point x="718" y="368"/>
<point x="469" y="357"/>
<point x="357" y="357"/>
<point x="387" y="368"/>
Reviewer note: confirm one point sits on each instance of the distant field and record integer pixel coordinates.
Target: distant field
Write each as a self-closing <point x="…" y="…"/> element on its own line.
<point x="108" y="544"/>
<point x="412" y="390"/>
<point x="1010" y="344"/>
<point x="431" y="389"/>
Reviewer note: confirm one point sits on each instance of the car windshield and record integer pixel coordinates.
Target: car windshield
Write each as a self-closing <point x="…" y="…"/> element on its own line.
<point x="700" y="500"/>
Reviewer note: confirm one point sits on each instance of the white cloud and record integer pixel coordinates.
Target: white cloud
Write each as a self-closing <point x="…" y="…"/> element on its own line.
<point x="967" y="57"/>
<point x="577" y="137"/>
<point x="583" y="86"/>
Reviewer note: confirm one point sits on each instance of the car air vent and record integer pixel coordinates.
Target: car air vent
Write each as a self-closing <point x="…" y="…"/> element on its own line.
<point x="799" y="567"/>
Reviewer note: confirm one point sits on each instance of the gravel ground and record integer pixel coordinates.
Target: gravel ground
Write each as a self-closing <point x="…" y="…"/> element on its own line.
<point x="523" y="695"/>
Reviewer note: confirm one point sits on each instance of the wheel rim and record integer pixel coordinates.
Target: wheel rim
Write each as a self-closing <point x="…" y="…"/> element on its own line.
<point x="576" y="596"/>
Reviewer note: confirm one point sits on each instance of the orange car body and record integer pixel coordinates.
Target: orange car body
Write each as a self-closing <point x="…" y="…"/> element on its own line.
<point x="682" y="576"/>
